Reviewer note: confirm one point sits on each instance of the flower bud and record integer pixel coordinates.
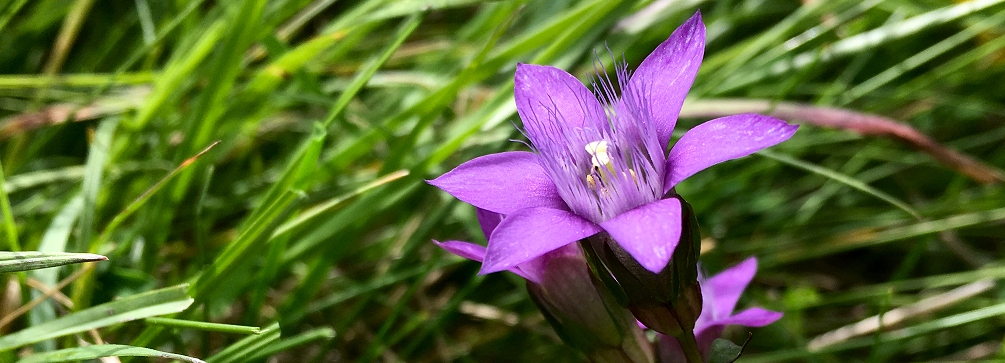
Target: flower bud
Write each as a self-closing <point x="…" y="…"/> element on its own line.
<point x="668" y="302"/>
<point x="584" y="314"/>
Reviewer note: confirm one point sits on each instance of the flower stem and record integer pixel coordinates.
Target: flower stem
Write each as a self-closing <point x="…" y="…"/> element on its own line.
<point x="690" y="347"/>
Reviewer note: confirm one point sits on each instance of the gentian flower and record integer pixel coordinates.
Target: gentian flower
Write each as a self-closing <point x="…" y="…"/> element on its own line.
<point x="601" y="162"/>
<point x="719" y="296"/>
<point x="583" y="314"/>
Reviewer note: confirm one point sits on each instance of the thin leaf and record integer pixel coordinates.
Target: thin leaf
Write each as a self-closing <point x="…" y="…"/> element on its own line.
<point x="244" y="348"/>
<point x="200" y="325"/>
<point x="32" y="260"/>
<point x="54" y="240"/>
<point x="152" y="303"/>
<point x="292" y="342"/>
<point x="100" y="351"/>
<point x="9" y="227"/>
<point x="927" y="327"/>
<point x="867" y="238"/>
<point x="841" y="178"/>
<point x="366" y="73"/>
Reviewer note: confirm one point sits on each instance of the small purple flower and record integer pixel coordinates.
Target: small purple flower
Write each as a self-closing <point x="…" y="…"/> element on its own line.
<point x="719" y="296"/>
<point x="601" y="162"/>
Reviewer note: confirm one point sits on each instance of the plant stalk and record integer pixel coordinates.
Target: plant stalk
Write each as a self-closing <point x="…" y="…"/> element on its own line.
<point x="690" y="347"/>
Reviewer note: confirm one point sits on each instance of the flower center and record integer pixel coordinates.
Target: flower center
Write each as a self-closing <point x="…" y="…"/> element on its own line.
<point x="623" y="166"/>
<point x="603" y="168"/>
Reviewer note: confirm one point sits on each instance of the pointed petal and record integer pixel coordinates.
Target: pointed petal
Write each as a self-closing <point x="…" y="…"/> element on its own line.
<point x="488" y="220"/>
<point x="475" y="252"/>
<point x="532" y="232"/>
<point x="666" y="75"/>
<point x="725" y="288"/>
<point x="722" y="139"/>
<point x="753" y="317"/>
<point x="649" y="233"/>
<point x="467" y="250"/>
<point x="502" y="183"/>
<point x="549" y="99"/>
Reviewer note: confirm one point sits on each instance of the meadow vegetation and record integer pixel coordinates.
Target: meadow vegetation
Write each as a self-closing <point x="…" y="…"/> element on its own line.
<point x="255" y="173"/>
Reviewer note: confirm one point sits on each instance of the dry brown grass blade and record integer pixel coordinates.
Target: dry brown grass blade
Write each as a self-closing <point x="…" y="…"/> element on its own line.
<point x="67" y="35"/>
<point x="123" y="100"/>
<point x="861" y="123"/>
<point x="898" y="315"/>
<point x="52" y="115"/>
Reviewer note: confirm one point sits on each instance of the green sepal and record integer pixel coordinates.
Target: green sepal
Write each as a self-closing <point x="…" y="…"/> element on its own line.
<point x="669" y="301"/>
<point x="724" y="351"/>
<point x="600" y="272"/>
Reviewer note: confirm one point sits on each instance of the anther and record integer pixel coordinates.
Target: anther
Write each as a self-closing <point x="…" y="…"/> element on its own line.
<point x="598" y="151"/>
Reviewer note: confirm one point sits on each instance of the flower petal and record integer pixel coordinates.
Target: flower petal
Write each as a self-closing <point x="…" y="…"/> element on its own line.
<point x="467" y="250"/>
<point x="475" y="252"/>
<point x="753" y="317"/>
<point x="649" y="233"/>
<point x="488" y="220"/>
<point x="667" y="73"/>
<point x="549" y="100"/>
<point x="537" y="269"/>
<point x="532" y="232"/>
<point x="722" y="139"/>
<point x="724" y="289"/>
<point x="502" y="183"/>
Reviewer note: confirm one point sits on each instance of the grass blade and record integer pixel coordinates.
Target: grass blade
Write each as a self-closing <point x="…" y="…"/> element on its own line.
<point x="244" y="348"/>
<point x="841" y="178"/>
<point x="9" y="226"/>
<point x="32" y="260"/>
<point x="199" y="325"/>
<point x="101" y="351"/>
<point x="152" y="303"/>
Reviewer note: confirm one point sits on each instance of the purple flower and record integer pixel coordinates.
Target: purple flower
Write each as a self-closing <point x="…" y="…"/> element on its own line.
<point x="601" y="162"/>
<point x="719" y="296"/>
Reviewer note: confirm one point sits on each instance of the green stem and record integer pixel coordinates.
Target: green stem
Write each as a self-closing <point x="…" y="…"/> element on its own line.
<point x="9" y="226"/>
<point x="690" y="347"/>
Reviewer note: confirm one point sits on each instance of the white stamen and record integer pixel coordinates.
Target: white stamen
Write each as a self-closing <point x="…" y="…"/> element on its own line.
<point x="598" y="150"/>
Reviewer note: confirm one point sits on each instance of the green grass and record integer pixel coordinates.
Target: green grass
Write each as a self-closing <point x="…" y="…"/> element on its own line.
<point x="312" y="211"/>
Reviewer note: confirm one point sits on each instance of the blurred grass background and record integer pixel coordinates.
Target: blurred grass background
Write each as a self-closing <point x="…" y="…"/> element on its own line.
<point x="311" y="211"/>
